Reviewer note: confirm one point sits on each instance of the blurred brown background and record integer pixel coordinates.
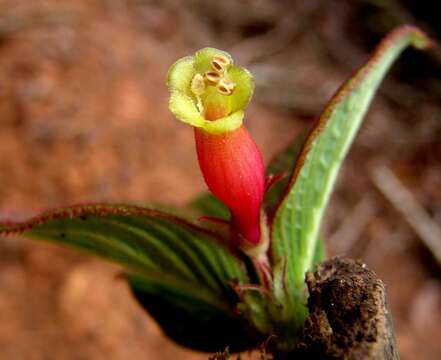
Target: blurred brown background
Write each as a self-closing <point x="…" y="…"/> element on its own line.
<point x="83" y="116"/>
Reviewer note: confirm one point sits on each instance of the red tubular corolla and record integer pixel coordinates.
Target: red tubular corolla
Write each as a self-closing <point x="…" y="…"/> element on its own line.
<point x="233" y="169"/>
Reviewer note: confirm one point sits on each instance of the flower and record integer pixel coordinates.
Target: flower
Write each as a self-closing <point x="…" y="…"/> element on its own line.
<point x="210" y="93"/>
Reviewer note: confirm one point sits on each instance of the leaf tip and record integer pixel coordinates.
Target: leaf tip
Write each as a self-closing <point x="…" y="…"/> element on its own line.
<point x="419" y="39"/>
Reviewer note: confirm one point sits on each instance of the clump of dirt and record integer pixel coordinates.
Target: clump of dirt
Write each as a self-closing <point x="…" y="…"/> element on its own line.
<point x="348" y="316"/>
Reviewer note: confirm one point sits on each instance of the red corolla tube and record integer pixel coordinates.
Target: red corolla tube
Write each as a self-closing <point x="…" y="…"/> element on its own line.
<point x="232" y="167"/>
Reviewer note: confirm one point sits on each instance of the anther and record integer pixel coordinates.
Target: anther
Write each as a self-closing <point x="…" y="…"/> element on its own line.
<point x="226" y="86"/>
<point x="212" y="77"/>
<point x="220" y="62"/>
<point x="197" y="85"/>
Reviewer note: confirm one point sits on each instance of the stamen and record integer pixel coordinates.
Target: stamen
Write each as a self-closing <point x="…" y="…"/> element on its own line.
<point x="220" y="62"/>
<point x="226" y="86"/>
<point x="197" y="85"/>
<point x="212" y="77"/>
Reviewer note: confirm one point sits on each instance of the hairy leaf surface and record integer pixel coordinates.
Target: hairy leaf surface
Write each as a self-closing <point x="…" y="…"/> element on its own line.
<point x="173" y="266"/>
<point x="297" y="220"/>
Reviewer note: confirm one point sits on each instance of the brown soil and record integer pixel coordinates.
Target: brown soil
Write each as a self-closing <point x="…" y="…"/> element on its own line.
<point x="349" y="318"/>
<point x="83" y="110"/>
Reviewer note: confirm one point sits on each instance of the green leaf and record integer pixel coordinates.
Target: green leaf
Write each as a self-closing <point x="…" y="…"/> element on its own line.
<point x="319" y="253"/>
<point x="207" y="204"/>
<point x="297" y="220"/>
<point x="194" y="318"/>
<point x="282" y="165"/>
<point x="185" y="259"/>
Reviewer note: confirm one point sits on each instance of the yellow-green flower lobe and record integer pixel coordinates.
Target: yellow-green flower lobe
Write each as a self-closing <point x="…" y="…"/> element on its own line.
<point x="208" y="91"/>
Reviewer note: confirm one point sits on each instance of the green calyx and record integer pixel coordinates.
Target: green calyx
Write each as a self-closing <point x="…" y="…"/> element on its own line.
<point x="208" y="91"/>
